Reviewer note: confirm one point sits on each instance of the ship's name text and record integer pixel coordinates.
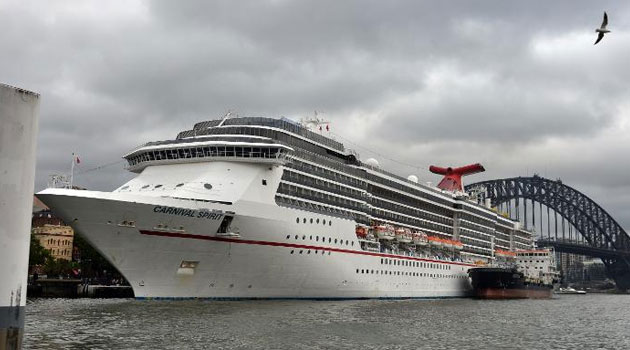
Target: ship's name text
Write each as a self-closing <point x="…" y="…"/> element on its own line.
<point x="193" y="213"/>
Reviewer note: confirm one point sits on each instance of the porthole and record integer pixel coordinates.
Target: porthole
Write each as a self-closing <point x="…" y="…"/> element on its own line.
<point x="292" y="251"/>
<point x="297" y="221"/>
<point x="329" y="223"/>
<point x="324" y="222"/>
<point x="146" y="186"/>
<point x="352" y="243"/>
<point x="207" y="186"/>
<point x="296" y="236"/>
<point x="308" y="251"/>
<point x="303" y="237"/>
<point x="317" y="238"/>
<point x="304" y="220"/>
<point x="346" y="242"/>
<point x="311" y="220"/>
<point x="317" y="221"/>
<point x="329" y="240"/>
<point x="157" y="186"/>
<point x="335" y="240"/>
<point x="310" y="238"/>
<point x="288" y="236"/>
<point x="301" y="251"/>
<point x="179" y="185"/>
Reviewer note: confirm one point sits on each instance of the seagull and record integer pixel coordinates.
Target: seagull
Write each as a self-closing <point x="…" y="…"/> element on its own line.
<point x="602" y="30"/>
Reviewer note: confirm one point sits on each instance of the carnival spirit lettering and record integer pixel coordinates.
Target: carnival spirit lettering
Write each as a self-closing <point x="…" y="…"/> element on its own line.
<point x="193" y="213"/>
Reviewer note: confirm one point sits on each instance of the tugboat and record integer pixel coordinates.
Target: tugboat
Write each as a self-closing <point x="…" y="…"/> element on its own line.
<point x="524" y="274"/>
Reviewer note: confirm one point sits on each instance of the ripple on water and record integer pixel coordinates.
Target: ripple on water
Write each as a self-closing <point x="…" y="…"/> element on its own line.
<point x="566" y="322"/>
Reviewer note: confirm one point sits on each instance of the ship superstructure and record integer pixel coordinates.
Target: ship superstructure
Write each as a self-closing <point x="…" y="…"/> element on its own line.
<point x="252" y="207"/>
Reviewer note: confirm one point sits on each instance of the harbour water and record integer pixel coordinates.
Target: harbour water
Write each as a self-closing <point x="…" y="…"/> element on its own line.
<point x="594" y="321"/>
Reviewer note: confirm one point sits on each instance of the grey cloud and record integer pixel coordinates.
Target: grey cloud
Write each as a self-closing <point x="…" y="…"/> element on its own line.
<point x="110" y="82"/>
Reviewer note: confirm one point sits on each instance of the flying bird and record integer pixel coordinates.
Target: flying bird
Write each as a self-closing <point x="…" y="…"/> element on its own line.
<point x="602" y="30"/>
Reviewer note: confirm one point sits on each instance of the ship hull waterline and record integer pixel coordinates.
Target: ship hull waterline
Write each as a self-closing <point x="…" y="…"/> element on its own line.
<point x="272" y="256"/>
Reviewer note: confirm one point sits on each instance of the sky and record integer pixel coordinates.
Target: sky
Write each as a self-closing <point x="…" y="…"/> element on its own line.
<point x="515" y="85"/>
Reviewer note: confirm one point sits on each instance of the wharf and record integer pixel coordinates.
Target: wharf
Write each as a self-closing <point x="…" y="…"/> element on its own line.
<point x="74" y="288"/>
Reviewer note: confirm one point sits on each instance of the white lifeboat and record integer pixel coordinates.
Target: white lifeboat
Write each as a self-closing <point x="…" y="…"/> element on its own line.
<point x="403" y="235"/>
<point x="384" y="232"/>
<point x="420" y="238"/>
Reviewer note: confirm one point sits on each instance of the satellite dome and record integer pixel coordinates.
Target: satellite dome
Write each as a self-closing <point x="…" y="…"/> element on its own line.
<point x="372" y="162"/>
<point x="412" y="178"/>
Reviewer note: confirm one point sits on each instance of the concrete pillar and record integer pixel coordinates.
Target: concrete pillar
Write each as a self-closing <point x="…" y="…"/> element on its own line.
<point x="19" y="111"/>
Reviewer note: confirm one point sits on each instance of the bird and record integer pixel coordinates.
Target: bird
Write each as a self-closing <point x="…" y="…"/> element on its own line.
<point x="602" y="30"/>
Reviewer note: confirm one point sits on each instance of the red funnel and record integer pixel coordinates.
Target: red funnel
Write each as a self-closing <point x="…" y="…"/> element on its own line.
<point x="452" y="180"/>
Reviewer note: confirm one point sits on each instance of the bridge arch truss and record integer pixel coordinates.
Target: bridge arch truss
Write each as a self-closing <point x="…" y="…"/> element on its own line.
<point x="599" y="232"/>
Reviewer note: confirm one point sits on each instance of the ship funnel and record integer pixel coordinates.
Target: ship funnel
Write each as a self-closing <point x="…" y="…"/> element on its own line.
<point x="452" y="180"/>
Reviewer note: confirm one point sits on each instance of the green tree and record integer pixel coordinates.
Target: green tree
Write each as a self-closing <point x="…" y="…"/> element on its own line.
<point x="37" y="254"/>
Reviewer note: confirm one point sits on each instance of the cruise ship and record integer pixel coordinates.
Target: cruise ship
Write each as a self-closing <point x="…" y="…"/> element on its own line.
<point x="256" y="207"/>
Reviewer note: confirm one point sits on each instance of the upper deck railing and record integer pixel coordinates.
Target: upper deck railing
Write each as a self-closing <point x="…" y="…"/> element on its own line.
<point x="284" y="124"/>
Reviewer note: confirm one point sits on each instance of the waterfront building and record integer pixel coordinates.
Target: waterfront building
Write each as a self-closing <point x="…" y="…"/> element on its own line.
<point x="53" y="234"/>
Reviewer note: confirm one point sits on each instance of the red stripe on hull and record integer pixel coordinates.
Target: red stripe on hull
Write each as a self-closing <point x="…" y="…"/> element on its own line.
<point x="291" y="245"/>
<point x="500" y="293"/>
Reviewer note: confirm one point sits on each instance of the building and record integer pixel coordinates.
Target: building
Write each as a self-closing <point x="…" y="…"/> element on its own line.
<point x="53" y="234"/>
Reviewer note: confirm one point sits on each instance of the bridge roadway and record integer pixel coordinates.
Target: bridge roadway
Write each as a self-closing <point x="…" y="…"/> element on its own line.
<point x="582" y="248"/>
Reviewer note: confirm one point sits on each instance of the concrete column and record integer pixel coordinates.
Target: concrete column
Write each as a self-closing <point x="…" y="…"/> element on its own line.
<point x="19" y="110"/>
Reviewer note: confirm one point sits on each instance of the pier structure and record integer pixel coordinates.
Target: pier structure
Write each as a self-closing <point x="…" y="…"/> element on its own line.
<point x="19" y="110"/>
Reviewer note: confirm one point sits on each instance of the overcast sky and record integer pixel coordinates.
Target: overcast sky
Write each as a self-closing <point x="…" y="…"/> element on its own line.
<point x="516" y="85"/>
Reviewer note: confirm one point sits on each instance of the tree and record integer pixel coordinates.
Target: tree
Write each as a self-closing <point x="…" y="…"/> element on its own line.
<point x="37" y="254"/>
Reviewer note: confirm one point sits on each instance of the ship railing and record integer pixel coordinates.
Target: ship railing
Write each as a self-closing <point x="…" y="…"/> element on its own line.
<point x="202" y="154"/>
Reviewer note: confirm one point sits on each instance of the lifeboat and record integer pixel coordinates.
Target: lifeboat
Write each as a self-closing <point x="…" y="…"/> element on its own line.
<point x="458" y="245"/>
<point x="447" y="243"/>
<point x="403" y="235"/>
<point x="435" y="241"/>
<point x="420" y="238"/>
<point x="384" y="232"/>
<point x="505" y="253"/>
<point x="361" y="231"/>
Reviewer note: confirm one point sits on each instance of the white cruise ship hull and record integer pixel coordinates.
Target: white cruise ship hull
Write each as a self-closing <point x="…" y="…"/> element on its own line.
<point x="268" y="255"/>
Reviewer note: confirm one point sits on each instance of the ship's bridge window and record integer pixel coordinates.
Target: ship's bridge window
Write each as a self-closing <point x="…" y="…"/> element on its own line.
<point x="157" y="186"/>
<point x="146" y="186"/>
<point x="179" y="185"/>
<point x="207" y="186"/>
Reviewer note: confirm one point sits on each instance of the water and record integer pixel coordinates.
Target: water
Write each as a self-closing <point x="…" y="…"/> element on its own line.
<point x="565" y="322"/>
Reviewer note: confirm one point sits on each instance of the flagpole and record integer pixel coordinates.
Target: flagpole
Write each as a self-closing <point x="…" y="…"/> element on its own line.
<point x="72" y="171"/>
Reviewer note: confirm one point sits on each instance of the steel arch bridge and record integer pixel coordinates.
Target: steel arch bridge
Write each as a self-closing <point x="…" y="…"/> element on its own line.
<point x="600" y="235"/>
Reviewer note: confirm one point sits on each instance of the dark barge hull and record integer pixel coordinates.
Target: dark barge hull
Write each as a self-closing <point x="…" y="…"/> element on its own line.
<point x="505" y="283"/>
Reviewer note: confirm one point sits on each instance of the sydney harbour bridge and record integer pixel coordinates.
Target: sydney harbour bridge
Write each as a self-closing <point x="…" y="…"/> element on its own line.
<point x="563" y="218"/>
